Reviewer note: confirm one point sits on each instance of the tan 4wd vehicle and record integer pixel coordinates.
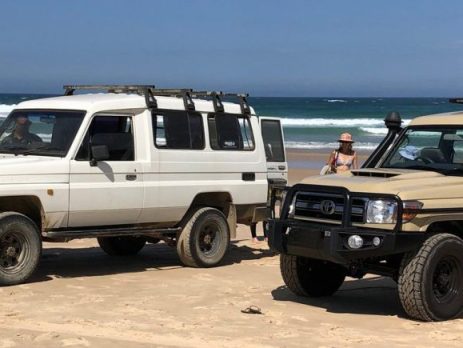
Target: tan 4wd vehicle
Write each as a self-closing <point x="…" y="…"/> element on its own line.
<point x="400" y="215"/>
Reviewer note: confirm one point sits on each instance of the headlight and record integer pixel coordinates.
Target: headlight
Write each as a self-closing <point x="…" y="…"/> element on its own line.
<point x="277" y="199"/>
<point x="282" y="202"/>
<point x="382" y="211"/>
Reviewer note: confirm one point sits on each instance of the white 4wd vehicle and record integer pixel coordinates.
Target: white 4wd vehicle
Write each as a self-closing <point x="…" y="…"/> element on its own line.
<point x="131" y="166"/>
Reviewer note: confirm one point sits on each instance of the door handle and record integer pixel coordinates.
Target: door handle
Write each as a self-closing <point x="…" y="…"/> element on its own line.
<point x="131" y="177"/>
<point x="248" y="176"/>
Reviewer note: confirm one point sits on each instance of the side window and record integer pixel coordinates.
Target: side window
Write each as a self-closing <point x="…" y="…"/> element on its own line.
<point x="113" y="131"/>
<point x="178" y="130"/>
<point x="230" y="132"/>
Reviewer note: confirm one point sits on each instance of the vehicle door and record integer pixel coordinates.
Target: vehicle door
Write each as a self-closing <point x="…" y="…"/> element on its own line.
<point x="272" y="135"/>
<point x="107" y="192"/>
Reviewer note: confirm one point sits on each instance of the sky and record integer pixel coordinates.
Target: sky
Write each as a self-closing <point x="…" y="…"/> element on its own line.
<point x="267" y="48"/>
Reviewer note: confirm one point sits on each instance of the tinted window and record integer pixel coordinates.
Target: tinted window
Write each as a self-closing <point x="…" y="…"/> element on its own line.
<point x="113" y="131"/>
<point x="178" y="130"/>
<point x="230" y="132"/>
<point x="458" y="147"/>
<point x="273" y="141"/>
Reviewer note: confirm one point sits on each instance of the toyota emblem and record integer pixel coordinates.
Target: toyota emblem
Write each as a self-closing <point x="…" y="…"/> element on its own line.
<point x="327" y="207"/>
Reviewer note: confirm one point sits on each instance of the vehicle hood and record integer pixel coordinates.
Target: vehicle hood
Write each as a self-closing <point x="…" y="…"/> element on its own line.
<point x="407" y="184"/>
<point x="33" y="169"/>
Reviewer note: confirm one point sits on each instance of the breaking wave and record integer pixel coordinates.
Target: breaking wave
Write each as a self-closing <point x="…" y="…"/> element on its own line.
<point x="326" y="145"/>
<point x="334" y="122"/>
<point x="5" y="109"/>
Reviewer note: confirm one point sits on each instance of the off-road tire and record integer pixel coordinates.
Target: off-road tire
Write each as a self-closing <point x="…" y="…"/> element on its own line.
<point x="310" y="277"/>
<point x="195" y="248"/>
<point x="20" y="248"/>
<point x="431" y="279"/>
<point x="121" y="246"/>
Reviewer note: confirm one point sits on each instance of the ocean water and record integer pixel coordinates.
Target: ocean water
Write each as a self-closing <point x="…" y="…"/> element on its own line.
<point x="315" y="123"/>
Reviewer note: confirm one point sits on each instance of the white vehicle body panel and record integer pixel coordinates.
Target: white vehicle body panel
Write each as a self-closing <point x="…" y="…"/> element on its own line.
<point x="167" y="180"/>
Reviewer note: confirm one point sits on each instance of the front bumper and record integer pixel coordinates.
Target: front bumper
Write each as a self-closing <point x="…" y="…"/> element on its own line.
<point x="329" y="243"/>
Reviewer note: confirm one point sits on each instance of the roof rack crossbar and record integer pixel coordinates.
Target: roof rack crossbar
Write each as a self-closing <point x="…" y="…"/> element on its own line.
<point x="242" y="98"/>
<point x="217" y="101"/>
<point x="184" y="93"/>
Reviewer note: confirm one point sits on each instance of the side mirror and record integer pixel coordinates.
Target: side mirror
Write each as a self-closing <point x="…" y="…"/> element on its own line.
<point x="98" y="153"/>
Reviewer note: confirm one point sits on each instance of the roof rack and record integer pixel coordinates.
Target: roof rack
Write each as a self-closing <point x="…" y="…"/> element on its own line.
<point x="150" y="91"/>
<point x="145" y="90"/>
<point x="456" y="100"/>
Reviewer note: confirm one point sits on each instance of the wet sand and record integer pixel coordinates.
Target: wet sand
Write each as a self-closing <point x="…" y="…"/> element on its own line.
<point x="80" y="297"/>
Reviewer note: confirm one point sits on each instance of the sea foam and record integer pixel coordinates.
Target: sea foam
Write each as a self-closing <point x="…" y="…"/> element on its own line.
<point x="5" y="109"/>
<point x="336" y="101"/>
<point x="326" y="145"/>
<point x="334" y="122"/>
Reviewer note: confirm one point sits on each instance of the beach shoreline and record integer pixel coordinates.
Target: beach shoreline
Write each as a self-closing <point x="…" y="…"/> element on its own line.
<point x="303" y="163"/>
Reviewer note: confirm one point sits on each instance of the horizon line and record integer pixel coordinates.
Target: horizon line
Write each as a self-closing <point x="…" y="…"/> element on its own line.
<point x="274" y="96"/>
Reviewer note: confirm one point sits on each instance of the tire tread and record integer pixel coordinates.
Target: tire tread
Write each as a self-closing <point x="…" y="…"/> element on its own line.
<point x="410" y="285"/>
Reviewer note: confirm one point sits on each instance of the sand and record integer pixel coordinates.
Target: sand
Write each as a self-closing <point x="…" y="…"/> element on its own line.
<point x="80" y="297"/>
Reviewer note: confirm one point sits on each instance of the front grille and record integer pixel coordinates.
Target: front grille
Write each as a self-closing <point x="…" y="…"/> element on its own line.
<point x="327" y="207"/>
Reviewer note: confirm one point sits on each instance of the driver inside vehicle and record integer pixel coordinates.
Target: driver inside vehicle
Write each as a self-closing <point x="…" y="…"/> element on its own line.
<point x="21" y="135"/>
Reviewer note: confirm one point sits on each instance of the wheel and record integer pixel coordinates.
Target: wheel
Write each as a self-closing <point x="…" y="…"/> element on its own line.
<point x="310" y="277"/>
<point x="205" y="238"/>
<point x="20" y="248"/>
<point x="431" y="279"/>
<point x="121" y="246"/>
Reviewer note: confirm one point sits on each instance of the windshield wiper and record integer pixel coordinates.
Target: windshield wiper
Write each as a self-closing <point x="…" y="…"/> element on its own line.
<point x="25" y="150"/>
<point x="458" y="172"/>
<point x="16" y="150"/>
<point x="44" y="149"/>
<point x="418" y="167"/>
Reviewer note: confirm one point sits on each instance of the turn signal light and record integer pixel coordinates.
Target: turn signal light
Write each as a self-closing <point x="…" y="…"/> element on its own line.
<point x="411" y="209"/>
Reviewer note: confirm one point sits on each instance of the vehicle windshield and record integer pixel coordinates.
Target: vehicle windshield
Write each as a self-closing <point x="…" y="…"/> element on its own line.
<point x="436" y="149"/>
<point x="39" y="132"/>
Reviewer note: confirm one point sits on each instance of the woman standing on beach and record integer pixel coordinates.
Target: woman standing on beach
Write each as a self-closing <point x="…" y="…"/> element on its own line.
<point x="344" y="158"/>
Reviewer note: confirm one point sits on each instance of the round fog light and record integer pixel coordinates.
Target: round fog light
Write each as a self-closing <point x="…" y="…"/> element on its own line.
<point x="376" y="241"/>
<point x="355" y="242"/>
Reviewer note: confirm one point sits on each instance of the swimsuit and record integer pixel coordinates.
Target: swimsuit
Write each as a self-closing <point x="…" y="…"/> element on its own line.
<point x="343" y="162"/>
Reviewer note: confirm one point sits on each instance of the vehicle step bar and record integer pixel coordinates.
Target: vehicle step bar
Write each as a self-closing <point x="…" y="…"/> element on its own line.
<point x="150" y="92"/>
<point x="112" y="232"/>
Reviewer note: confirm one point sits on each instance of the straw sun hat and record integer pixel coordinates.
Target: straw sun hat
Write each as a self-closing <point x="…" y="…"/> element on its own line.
<point x="346" y="138"/>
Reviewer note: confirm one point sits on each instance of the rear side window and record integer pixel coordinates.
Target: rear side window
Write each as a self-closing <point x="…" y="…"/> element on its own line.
<point x="178" y="130"/>
<point x="230" y="132"/>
